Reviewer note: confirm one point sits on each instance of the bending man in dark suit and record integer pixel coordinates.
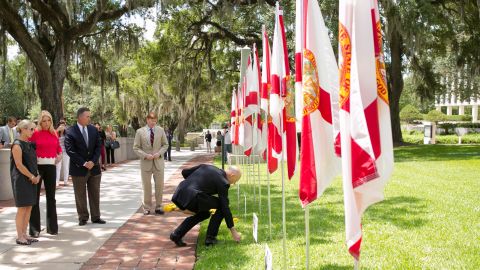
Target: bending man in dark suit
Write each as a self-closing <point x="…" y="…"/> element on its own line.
<point x="82" y="143"/>
<point x="195" y="194"/>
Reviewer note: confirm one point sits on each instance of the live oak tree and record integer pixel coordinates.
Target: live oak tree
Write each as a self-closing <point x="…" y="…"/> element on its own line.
<point x="49" y="32"/>
<point x="432" y="43"/>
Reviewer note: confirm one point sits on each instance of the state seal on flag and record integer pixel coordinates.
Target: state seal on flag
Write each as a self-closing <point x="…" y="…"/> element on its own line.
<point x="311" y="86"/>
<point x="345" y="64"/>
<point x="290" y="103"/>
<point x="382" y="91"/>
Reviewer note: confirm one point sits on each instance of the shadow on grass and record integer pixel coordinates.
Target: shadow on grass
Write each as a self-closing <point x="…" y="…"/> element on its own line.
<point x="401" y="211"/>
<point x="326" y="220"/>
<point x="437" y="152"/>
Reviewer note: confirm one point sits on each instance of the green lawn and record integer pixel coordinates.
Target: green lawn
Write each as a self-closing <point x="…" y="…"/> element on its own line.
<point x="430" y="219"/>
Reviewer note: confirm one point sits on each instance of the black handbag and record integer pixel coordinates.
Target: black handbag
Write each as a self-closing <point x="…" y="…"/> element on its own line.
<point x="115" y="145"/>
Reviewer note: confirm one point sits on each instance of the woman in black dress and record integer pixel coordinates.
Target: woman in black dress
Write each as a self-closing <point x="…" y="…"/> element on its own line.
<point x="25" y="177"/>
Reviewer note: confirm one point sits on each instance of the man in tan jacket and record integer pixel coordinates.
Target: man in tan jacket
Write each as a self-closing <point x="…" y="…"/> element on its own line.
<point x="150" y="144"/>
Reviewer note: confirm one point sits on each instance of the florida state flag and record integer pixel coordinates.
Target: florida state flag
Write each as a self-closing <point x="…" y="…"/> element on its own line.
<point x="278" y="77"/>
<point x="282" y="98"/>
<point x="366" y="142"/>
<point x="250" y="107"/>
<point x="318" y="164"/>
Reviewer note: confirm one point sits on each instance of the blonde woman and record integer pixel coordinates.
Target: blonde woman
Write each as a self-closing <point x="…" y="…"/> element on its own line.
<point x="111" y="137"/>
<point x="25" y="177"/>
<point x="49" y="153"/>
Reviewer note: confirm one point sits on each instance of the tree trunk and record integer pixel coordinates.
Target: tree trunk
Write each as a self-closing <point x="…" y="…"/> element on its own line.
<point x="181" y="130"/>
<point x="4" y="50"/>
<point x="135" y="123"/>
<point x="50" y="90"/>
<point x="395" y="82"/>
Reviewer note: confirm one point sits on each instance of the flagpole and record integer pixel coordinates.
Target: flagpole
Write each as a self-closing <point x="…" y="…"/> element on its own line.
<point x="269" y="205"/>
<point x="252" y="169"/>
<point x="245" y="209"/>
<point x="284" y="225"/>
<point x="284" y="222"/>
<point x="356" y="264"/>
<point x="252" y="177"/>
<point x="259" y="185"/>
<point x="307" y="237"/>
<point x="238" y="185"/>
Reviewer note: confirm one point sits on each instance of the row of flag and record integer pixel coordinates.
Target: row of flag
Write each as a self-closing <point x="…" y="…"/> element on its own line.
<point x="342" y="111"/>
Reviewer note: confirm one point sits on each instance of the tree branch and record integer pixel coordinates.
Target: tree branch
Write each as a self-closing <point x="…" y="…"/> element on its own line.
<point x="251" y="2"/>
<point x="225" y="33"/>
<point x="61" y="12"/>
<point x="96" y="33"/>
<point x="113" y="14"/>
<point x="48" y="14"/>
<point x="42" y="33"/>
<point x="15" y="27"/>
<point x="101" y="15"/>
<point x="84" y="27"/>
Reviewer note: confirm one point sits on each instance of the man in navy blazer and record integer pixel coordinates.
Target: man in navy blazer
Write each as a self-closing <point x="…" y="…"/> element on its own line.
<point x="205" y="187"/>
<point x="82" y="143"/>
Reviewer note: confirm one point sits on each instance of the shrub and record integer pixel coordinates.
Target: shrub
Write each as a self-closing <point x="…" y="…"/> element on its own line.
<point x="471" y="138"/>
<point x="458" y="118"/>
<point x="415" y="132"/>
<point x="435" y="116"/>
<point x="446" y="139"/>
<point x="415" y="138"/>
<point x="409" y="114"/>
<point x="468" y="125"/>
<point x="452" y="126"/>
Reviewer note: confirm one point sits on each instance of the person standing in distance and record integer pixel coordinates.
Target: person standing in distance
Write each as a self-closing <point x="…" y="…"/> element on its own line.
<point x="150" y="144"/>
<point x="82" y="143"/>
<point x="8" y="133"/>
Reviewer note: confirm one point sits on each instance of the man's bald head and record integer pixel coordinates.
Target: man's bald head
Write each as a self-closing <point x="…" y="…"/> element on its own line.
<point x="233" y="174"/>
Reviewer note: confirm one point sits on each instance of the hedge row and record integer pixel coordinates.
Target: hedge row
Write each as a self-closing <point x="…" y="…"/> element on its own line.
<point x="462" y="125"/>
<point x="417" y="138"/>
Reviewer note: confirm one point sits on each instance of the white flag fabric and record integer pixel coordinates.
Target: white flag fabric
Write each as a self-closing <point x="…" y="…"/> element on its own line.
<point x="250" y="108"/>
<point x="366" y="143"/>
<point x="319" y="163"/>
<point x="259" y="146"/>
<point x="279" y="80"/>
<point x="241" y="107"/>
<point x="265" y="91"/>
<point x="299" y="45"/>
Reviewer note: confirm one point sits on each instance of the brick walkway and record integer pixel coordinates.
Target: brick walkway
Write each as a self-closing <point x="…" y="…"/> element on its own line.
<point x="143" y="241"/>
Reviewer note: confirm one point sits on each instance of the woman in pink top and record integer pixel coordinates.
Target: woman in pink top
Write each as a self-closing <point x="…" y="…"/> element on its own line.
<point x="49" y="153"/>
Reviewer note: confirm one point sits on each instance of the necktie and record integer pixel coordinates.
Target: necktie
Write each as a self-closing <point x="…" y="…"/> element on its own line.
<point x="84" y="133"/>
<point x="152" y="137"/>
<point x="11" y="135"/>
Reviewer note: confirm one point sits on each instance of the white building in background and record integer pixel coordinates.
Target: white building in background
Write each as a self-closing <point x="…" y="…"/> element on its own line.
<point x="451" y="101"/>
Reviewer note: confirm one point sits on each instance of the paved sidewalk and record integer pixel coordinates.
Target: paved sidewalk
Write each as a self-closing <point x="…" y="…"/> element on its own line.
<point x="74" y="245"/>
<point x="143" y="241"/>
